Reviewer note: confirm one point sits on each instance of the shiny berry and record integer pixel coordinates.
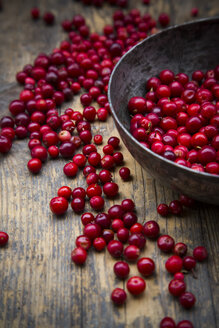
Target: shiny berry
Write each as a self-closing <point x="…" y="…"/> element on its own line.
<point x="177" y="287"/>
<point x="151" y="229"/>
<point x="121" y="269"/>
<point x="165" y="243"/>
<point x="3" y="238"/>
<point x="34" y="165"/>
<point x="189" y="262"/>
<point x="187" y="300"/>
<point x="118" y="296"/>
<point x="83" y="241"/>
<point x="79" y="255"/>
<point x="167" y="322"/>
<point x="180" y="249"/>
<point x="163" y="209"/>
<point x="58" y="205"/>
<point x="146" y="266"/>
<point x="200" y="253"/>
<point x="174" y="264"/>
<point x="136" y="285"/>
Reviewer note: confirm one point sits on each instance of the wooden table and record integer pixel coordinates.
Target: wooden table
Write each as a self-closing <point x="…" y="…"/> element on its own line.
<point x="39" y="286"/>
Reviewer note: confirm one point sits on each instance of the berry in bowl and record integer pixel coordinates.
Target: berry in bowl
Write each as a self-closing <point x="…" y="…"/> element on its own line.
<point x="164" y="97"/>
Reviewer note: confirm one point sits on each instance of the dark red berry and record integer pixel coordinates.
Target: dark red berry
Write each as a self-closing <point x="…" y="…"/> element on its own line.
<point x="58" y="205"/>
<point x="146" y="266"/>
<point x="136" y="285"/>
<point x="115" y="248"/>
<point x="165" y="243"/>
<point x="3" y="238"/>
<point x="189" y="262"/>
<point x="200" y="253"/>
<point x="163" y="209"/>
<point x="79" y="255"/>
<point x="167" y="322"/>
<point x="121" y="269"/>
<point x="118" y="296"/>
<point x="174" y="264"/>
<point x="151" y="229"/>
<point x="187" y="300"/>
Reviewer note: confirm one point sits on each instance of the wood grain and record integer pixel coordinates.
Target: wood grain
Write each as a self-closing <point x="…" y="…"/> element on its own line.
<point x="39" y="286"/>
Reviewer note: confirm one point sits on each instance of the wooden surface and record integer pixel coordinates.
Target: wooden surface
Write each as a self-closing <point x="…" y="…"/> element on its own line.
<point x="39" y="286"/>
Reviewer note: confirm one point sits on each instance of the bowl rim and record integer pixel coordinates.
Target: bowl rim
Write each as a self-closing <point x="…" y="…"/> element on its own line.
<point x="115" y="116"/>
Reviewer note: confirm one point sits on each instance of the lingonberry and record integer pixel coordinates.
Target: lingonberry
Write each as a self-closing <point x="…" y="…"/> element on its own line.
<point x="116" y="211"/>
<point x="174" y="264"/>
<point x="187" y="300"/>
<point x="186" y="201"/>
<point x="180" y="249"/>
<point x="99" y="244"/>
<point x="138" y="240"/>
<point x="167" y="322"/>
<point x="88" y="149"/>
<point x="114" y="142"/>
<point x="128" y="205"/>
<point x="163" y="209"/>
<point x="39" y="152"/>
<point x="53" y="151"/>
<point x="97" y="203"/>
<point x="151" y="229"/>
<point x="117" y="224"/>
<point x="185" y="324"/>
<point x="121" y="269"/>
<point x="103" y="220"/>
<point x="3" y="238"/>
<point x="34" y="165"/>
<point x="177" y="287"/>
<point x="92" y="230"/>
<point x="146" y="266"/>
<point x="136" y="285"/>
<point x="118" y="296"/>
<point x="164" y="20"/>
<point x="87" y="218"/>
<point x="124" y="173"/>
<point x="58" y="205"/>
<point x="105" y="176"/>
<point x="83" y="241"/>
<point x="110" y="189"/>
<point x="107" y="162"/>
<point x="79" y="255"/>
<point x="123" y="235"/>
<point x="165" y="243"/>
<point x="5" y="144"/>
<point x="98" y="139"/>
<point x="179" y="276"/>
<point x="175" y="207"/>
<point x="67" y="149"/>
<point x="115" y="248"/>
<point x="136" y="228"/>
<point x="108" y="235"/>
<point x="108" y="150"/>
<point x="94" y="190"/>
<point x="34" y="142"/>
<point x="92" y="177"/>
<point x="70" y="169"/>
<point x="78" y="204"/>
<point x="131" y="253"/>
<point x="189" y="262"/>
<point x="79" y="192"/>
<point x="79" y="160"/>
<point x="129" y="218"/>
<point x="200" y="253"/>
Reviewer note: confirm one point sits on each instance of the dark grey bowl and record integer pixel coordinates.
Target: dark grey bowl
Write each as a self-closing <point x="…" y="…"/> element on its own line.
<point x="184" y="48"/>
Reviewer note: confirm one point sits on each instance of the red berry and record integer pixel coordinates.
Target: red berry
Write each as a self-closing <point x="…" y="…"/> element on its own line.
<point x="177" y="287"/>
<point x="138" y="240"/>
<point x="78" y="204"/>
<point x="99" y="243"/>
<point x="175" y="207"/>
<point x="34" y="165"/>
<point x="115" y="248"/>
<point x="163" y="209"/>
<point x="128" y="205"/>
<point x="105" y="176"/>
<point x="79" y="255"/>
<point x="131" y="253"/>
<point x="78" y="192"/>
<point x="124" y="173"/>
<point x="114" y="141"/>
<point x="189" y="262"/>
<point x="39" y="152"/>
<point x="97" y="203"/>
<point x="123" y="235"/>
<point x="167" y="322"/>
<point x="136" y="285"/>
<point x="83" y="241"/>
<point x="58" y="205"/>
<point x="3" y="238"/>
<point x="118" y="296"/>
<point x="110" y="189"/>
<point x="187" y="300"/>
<point x="87" y="218"/>
<point x="174" y="264"/>
<point x="121" y="269"/>
<point x="146" y="266"/>
<point x="185" y="324"/>
<point x="70" y="169"/>
<point x="200" y="253"/>
<point x="165" y="243"/>
<point x="98" y="139"/>
<point x="65" y="192"/>
<point x="180" y="249"/>
<point x="151" y="229"/>
<point x="79" y="160"/>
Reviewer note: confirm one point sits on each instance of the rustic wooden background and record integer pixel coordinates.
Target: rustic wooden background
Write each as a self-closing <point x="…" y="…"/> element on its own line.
<point x="39" y="286"/>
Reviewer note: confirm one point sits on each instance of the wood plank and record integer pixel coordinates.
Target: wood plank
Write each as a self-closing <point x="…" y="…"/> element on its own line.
<point x="39" y="286"/>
